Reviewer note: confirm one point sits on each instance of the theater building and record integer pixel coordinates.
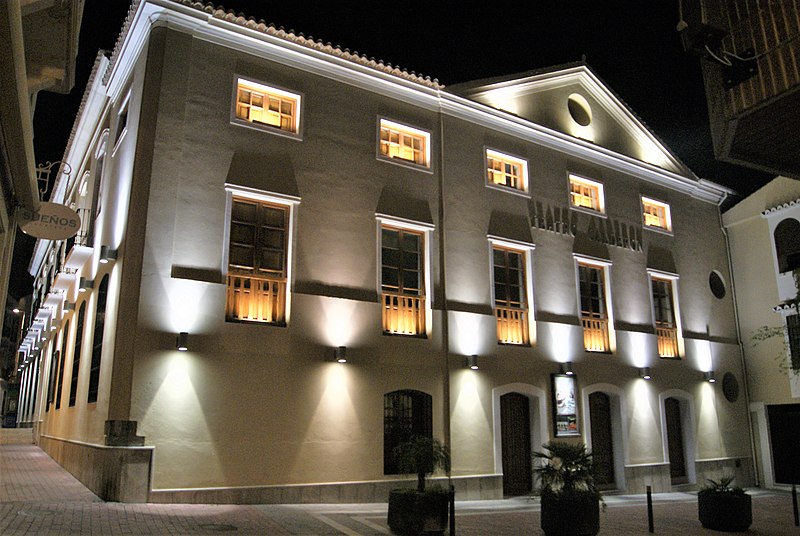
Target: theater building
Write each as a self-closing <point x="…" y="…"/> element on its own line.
<point x="497" y="264"/>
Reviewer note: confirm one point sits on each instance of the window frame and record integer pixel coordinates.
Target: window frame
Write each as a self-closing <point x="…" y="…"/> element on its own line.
<point x="524" y="175"/>
<point x="268" y="89"/>
<point x="526" y="250"/>
<point x="606" y="267"/>
<point x="593" y="183"/>
<point x="121" y="123"/>
<point x="290" y="203"/>
<point x="426" y="230"/>
<point x="407" y="129"/>
<point x="673" y="279"/>
<point x="667" y="229"/>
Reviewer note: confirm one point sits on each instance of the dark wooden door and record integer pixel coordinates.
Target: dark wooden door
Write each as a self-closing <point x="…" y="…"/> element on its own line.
<point x="602" y="442"/>
<point x="677" y="456"/>
<point x="784" y="432"/>
<point x="515" y="425"/>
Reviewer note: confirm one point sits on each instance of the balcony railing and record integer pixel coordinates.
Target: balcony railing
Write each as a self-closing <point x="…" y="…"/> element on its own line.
<point x="256" y="299"/>
<point x="667" y="341"/>
<point x="595" y="334"/>
<point x="512" y="325"/>
<point x="403" y="315"/>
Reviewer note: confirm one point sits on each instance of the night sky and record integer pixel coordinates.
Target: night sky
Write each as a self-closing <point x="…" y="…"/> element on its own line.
<point x="632" y="45"/>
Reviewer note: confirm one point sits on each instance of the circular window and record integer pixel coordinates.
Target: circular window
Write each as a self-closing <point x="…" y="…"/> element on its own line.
<point x="730" y="387"/>
<point x="579" y="110"/>
<point x="717" y="284"/>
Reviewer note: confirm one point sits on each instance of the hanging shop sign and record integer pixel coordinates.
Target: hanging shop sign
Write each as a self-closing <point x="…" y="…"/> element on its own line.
<point x="51" y="222"/>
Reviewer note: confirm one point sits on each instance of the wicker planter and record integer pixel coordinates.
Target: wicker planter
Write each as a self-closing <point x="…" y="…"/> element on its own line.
<point x="728" y="512"/>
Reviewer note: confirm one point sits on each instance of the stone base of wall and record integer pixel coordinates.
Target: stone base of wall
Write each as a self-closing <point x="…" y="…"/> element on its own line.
<point x="119" y="474"/>
<point x="467" y="488"/>
<point x="638" y="477"/>
<point x="16" y="436"/>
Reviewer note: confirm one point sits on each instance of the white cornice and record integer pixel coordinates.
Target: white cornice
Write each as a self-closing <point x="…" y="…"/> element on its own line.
<point x="772" y="211"/>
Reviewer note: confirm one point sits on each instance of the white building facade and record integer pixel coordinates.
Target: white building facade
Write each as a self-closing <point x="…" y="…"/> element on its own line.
<point x="260" y="206"/>
<point x="765" y="251"/>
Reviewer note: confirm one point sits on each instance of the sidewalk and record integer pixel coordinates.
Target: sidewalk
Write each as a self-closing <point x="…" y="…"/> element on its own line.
<point x="37" y="497"/>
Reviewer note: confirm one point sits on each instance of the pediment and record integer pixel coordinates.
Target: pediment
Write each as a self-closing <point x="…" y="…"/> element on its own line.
<point x="574" y="101"/>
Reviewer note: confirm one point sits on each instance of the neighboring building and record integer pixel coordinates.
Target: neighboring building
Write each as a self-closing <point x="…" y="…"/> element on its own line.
<point x="271" y="205"/>
<point x="39" y="45"/>
<point x="764" y="232"/>
<point x="751" y="66"/>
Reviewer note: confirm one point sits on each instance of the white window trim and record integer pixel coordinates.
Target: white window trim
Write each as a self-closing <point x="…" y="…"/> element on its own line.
<point x="275" y="90"/>
<point x="526" y="248"/>
<point x="124" y="108"/>
<point x="525" y="191"/>
<point x="674" y="278"/>
<point x="428" y="168"/>
<point x="409" y="225"/>
<point x="667" y="214"/>
<point x="592" y="182"/>
<point x="288" y="201"/>
<point x="606" y="265"/>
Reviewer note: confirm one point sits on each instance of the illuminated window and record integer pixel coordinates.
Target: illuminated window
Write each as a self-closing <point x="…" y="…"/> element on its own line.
<point x="402" y="281"/>
<point x="257" y="261"/>
<point x="505" y="170"/>
<point x="664" y="316"/>
<point x="656" y="214"/>
<point x="406" y="414"/>
<point x="76" y="356"/>
<point x="587" y="194"/>
<point x="267" y="106"/>
<point x="594" y="307"/>
<point x="510" y="303"/>
<point x="402" y="142"/>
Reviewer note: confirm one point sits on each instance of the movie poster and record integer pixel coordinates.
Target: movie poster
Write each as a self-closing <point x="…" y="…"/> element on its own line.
<point x="565" y="406"/>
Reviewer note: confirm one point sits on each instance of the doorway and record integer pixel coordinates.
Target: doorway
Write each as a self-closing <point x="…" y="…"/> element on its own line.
<point x="602" y="440"/>
<point x="515" y="424"/>
<point x="675" y="448"/>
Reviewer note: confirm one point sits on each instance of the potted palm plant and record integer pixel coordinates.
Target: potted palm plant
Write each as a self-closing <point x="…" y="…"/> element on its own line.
<point x="721" y="506"/>
<point x="420" y="510"/>
<point x="570" y="501"/>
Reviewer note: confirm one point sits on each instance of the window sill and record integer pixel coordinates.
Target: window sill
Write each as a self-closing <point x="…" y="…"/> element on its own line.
<point x="263" y="127"/>
<point x="405" y="163"/>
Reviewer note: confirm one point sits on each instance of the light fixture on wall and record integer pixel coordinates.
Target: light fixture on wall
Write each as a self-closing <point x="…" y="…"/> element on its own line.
<point x="471" y="362"/>
<point x="107" y="254"/>
<point x="644" y="373"/>
<point x="84" y="284"/>
<point x="340" y="354"/>
<point x="182" y="344"/>
<point x="566" y="368"/>
<point x="709" y="376"/>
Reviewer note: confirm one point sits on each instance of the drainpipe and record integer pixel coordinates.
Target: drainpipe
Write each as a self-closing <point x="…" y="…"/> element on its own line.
<point x="739" y="338"/>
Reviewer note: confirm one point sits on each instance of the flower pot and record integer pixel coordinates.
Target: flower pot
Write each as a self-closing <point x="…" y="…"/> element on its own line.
<point x="413" y="513"/>
<point x="575" y="514"/>
<point x="728" y="512"/>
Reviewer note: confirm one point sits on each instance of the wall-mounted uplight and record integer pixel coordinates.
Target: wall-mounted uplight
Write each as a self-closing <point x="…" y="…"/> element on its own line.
<point x="566" y="368"/>
<point x="709" y="376"/>
<point x="340" y="354"/>
<point x="107" y="254"/>
<point x="471" y="362"/>
<point x="182" y="344"/>
<point x="644" y="373"/>
<point x="84" y="284"/>
<point x="16" y="310"/>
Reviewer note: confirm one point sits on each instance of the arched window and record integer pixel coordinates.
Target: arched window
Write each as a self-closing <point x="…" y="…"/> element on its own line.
<point x="76" y="356"/>
<point x="787" y="244"/>
<point x="60" y="382"/>
<point x="97" y="343"/>
<point x="406" y="414"/>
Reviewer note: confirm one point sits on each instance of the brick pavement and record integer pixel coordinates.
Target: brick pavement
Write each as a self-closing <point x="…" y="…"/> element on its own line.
<point x="37" y="497"/>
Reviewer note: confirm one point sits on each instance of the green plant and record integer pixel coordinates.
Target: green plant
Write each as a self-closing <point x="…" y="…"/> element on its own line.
<point x="565" y="468"/>
<point x="723" y="485"/>
<point x="421" y="455"/>
<point x="763" y="333"/>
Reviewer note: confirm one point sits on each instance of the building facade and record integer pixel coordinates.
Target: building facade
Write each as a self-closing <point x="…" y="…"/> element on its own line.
<point x="293" y="258"/>
<point x="765" y="251"/>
